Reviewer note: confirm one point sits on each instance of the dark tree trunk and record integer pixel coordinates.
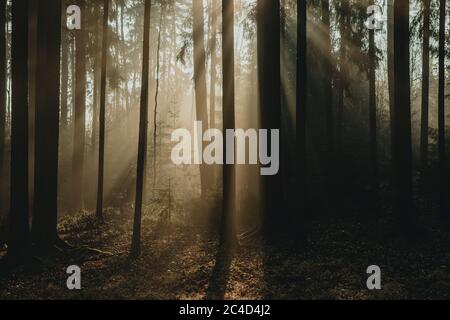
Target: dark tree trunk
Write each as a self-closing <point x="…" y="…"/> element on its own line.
<point x="101" y="142"/>
<point x="373" y="114"/>
<point x="401" y="122"/>
<point x="79" y="113"/>
<point x="213" y="46"/>
<point x="97" y="72"/>
<point x="45" y="216"/>
<point x="228" y="113"/>
<point x="344" y="22"/>
<point x="390" y="62"/>
<point x="301" y="111"/>
<point x="32" y="64"/>
<point x="268" y="34"/>
<point x="2" y="90"/>
<point x="18" y="241"/>
<point x="328" y="99"/>
<point x="64" y="71"/>
<point x="425" y="85"/>
<point x="200" y="80"/>
<point x="143" y="129"/>
<point x="441" y="109"/>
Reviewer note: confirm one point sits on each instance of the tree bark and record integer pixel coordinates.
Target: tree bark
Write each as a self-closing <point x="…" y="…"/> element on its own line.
<point x="143" y="129"/>
<point x="441" y="109"/>
<point x="373" y="114"/>
<point x="425" y="85"/>
<point x="18" y="241"/>
<point x="401" y="124"/>
<point x="200" y="80"/>
<point x="101" y="142"/>
<point x="213" y="45"/>
<point x="301" y="114"/>
<point x="328" y="100"/>
<point x="44" y="231"/>
<point x="2" y="90"/>
<point x="269" y="64"/>
<point x="228" y="112"/>
<point x="79" y="113"/>
<point x="343" y="30"/>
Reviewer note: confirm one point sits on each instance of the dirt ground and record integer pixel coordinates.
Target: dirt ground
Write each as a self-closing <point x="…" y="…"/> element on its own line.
<point x="180" y="261"/>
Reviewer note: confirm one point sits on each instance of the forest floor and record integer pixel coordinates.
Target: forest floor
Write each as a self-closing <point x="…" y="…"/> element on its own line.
<point x="179" y="262"/>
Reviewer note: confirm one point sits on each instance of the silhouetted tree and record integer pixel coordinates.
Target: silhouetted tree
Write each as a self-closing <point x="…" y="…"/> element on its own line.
<point x="79" y="120"/>
<point x="44" y="231"/>
<point x="425" y="85"/>
<point x="401" y="122"/>
<point x="328" y="97"/>
<point x="301" y="111"/>
<point x="200" y="79"/>
<point x="344" y="25"/>
<point x="2" y="88"/>
<point x="441" y="108"/>
<point x="228" y="112"/>
<point x="18" y="240"/>
<point x="268" y="34"/>
<point x="64" y="69"/>
<point x="373" y="113"/>
<point x="101" y="141"/>
<point x="143" y="129"/>
<point x="213" y="46"/>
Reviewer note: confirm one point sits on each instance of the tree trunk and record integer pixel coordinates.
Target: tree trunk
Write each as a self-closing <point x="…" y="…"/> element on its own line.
<point x="343" y="30"/>
<point x="32" y="65"/>
<point x="425" y="85"/>
<point x="79" y="113"/>
<point x="328" y="99"/>
<point x="18" y="241"/>
<point x="301" y="114"/>
<point x="268" y="34"/>
<point x="228" y="113"/>
<point x="64" y="71"/>
<point x="45" y="216"/>
<point x="200" y="80"/>
<point x="97" y="71"/>
<point x="2" y="91"/>
<point x="390" y="62"/>
<point x="401" y="122"/>
<point x="441" y="109"/>
<point x="101" y="142"/>
<point x="373" y="115"/>
<point x="143" y="128"/>
<point x="213" y="45"/>
<point x="157" y="89"/>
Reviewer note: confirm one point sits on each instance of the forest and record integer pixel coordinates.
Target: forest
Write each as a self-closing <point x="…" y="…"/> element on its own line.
<point x="233" y="149"/>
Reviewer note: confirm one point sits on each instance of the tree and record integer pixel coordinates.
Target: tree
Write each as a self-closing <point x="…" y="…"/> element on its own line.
<point x="425" y="85"/>
<point x="344" y="23"/>
<point x="228" y="114"/>
<point x="401" y="122"/>
<point x="441" y="108"/>
<point x="18" y="241"/>
<point x="143" y="128"/>
<point x="79" y="113"/>
<point x="2" y="88"/>
<point x="301" y="107"/>
<point x="44" y="231"/>
<point x="268" y="34"/>
<point x="101" y="142"/>
<point x="373" y="113"/>
<point x="64" y="71"/>
<point x="213" y="45"/>
<point x="200" y="79"/>
<point x="328" y="96"/>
